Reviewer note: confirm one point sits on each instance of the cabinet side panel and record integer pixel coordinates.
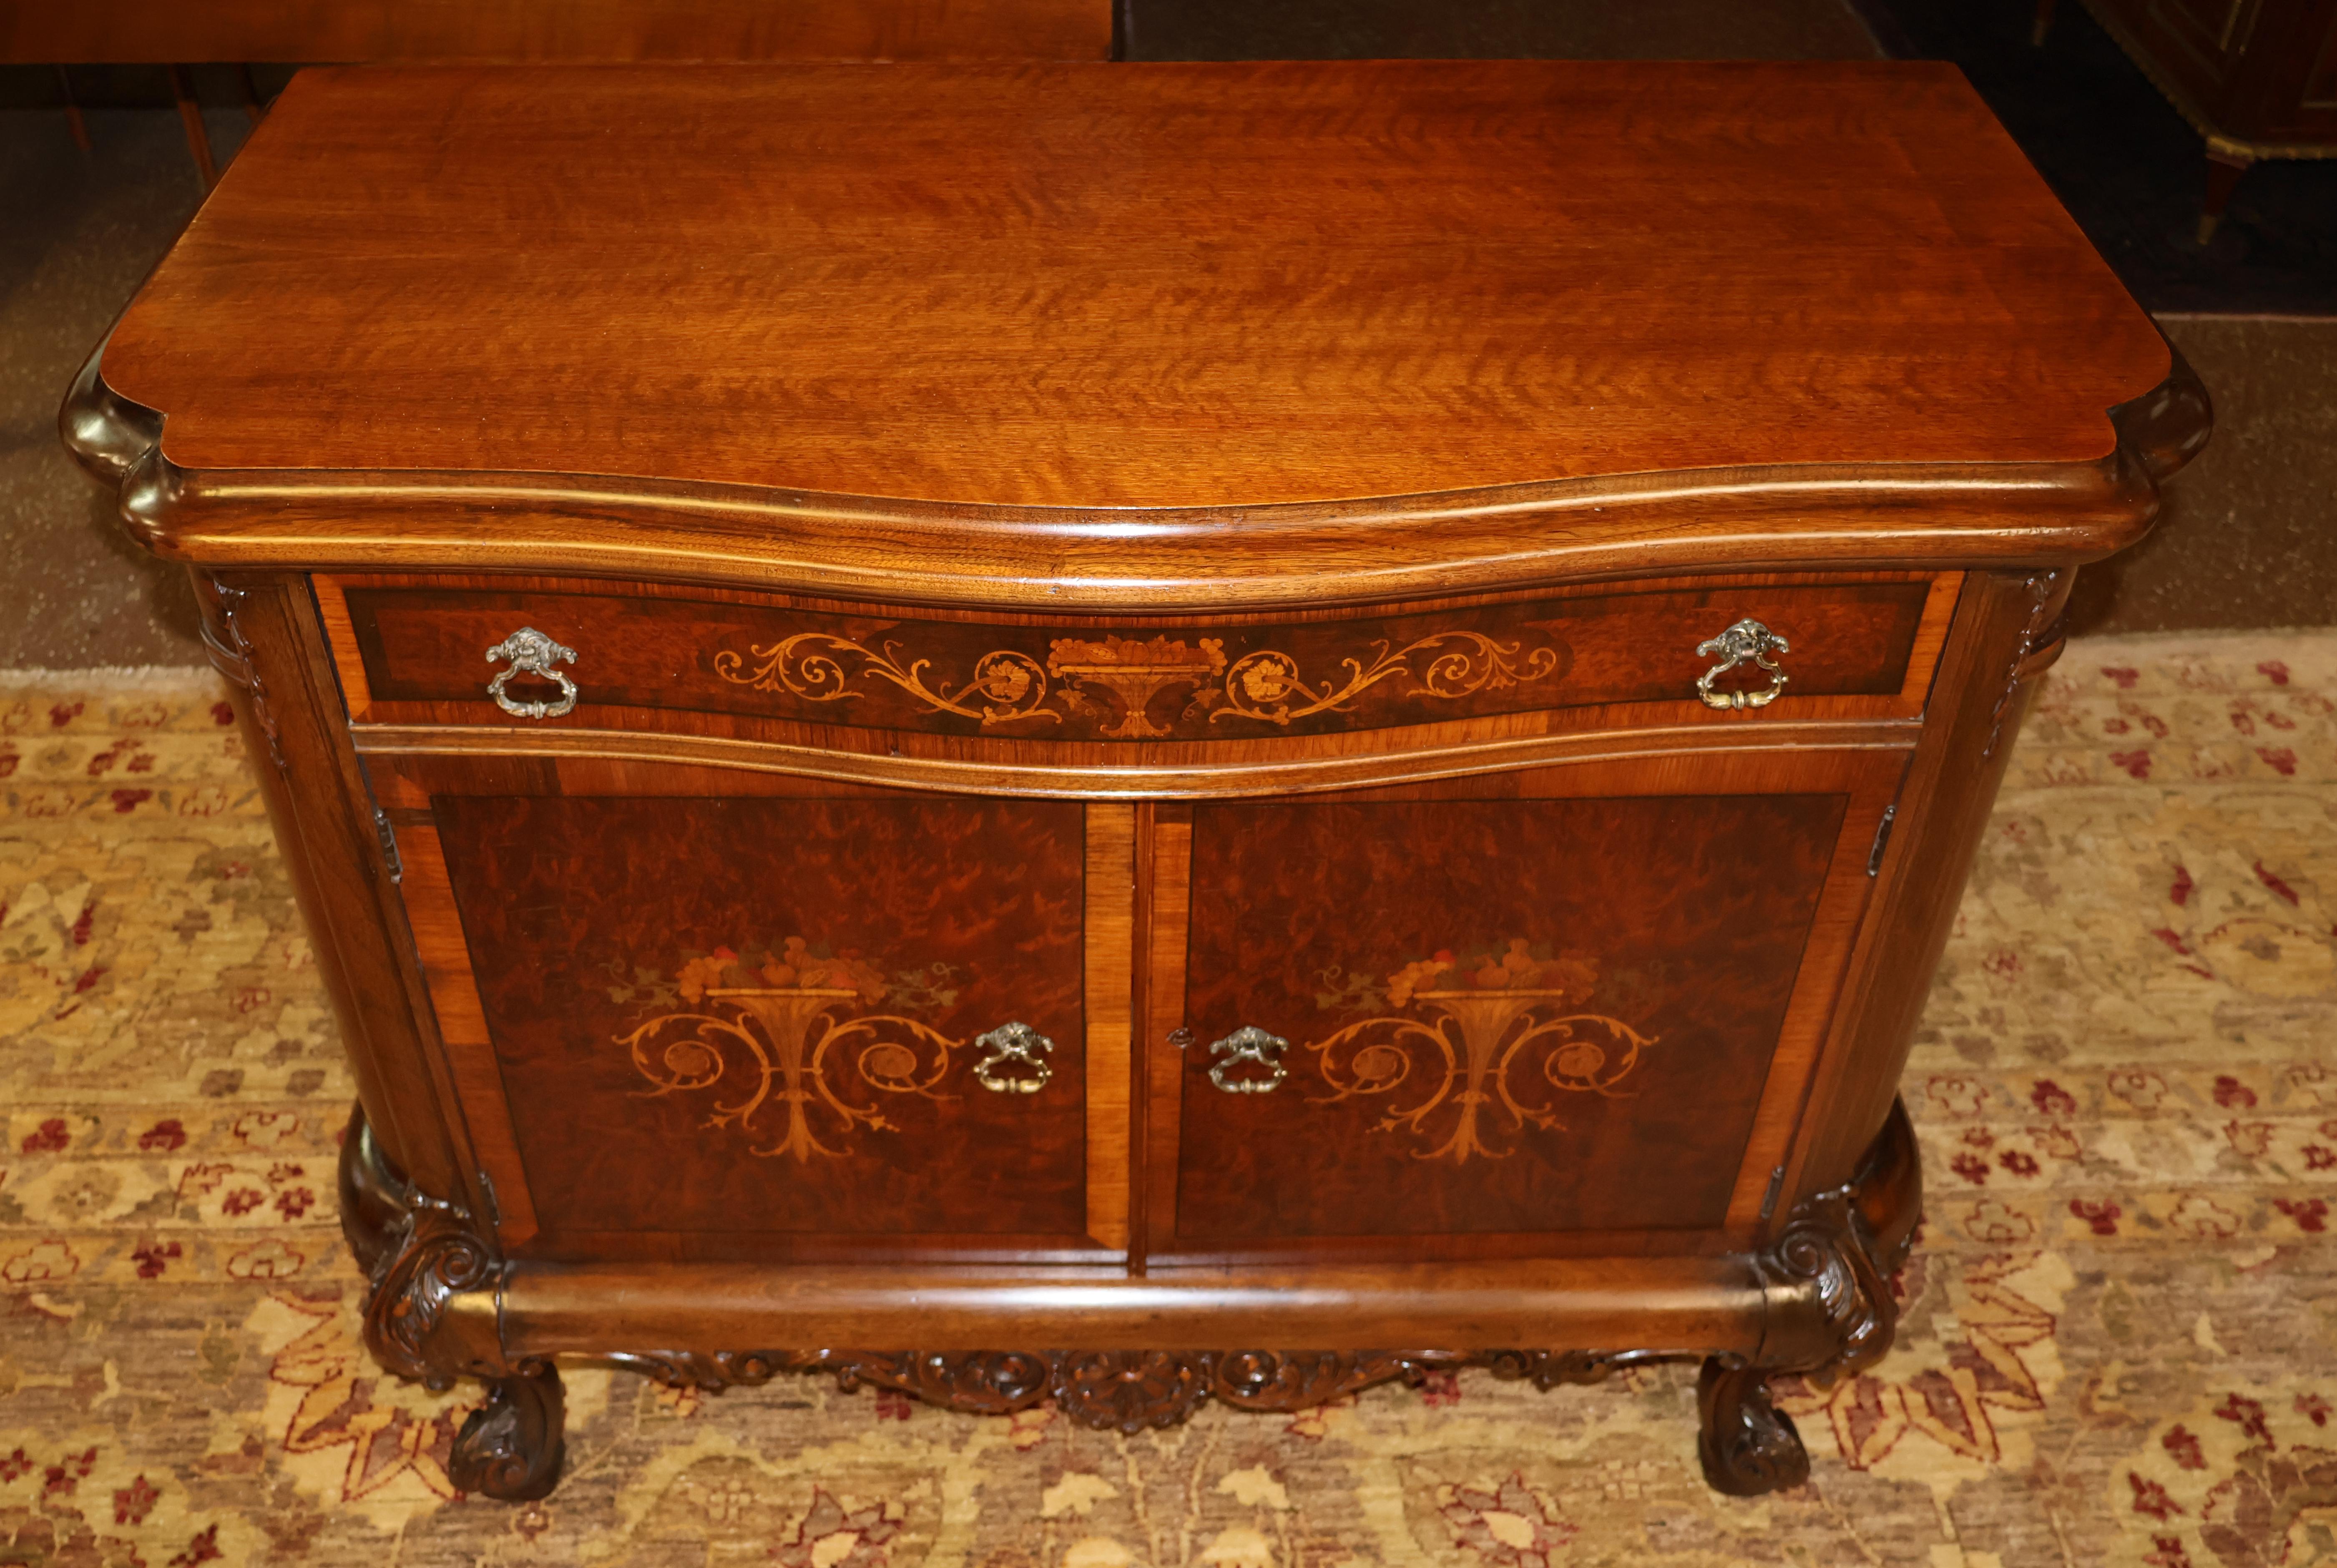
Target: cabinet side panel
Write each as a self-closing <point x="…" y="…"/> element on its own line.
<point x="2006" y="633"/>
<point x="262" y="634"/>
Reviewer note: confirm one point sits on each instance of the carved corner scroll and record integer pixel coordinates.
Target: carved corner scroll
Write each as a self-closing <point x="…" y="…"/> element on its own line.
<point x="1454" y="1040"/>
<point x="2040" y="645"/>
<point x="1126" y="689"/>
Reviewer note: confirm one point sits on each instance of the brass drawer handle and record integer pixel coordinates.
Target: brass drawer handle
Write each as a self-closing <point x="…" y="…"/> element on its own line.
<point x="1249" y="1044"/>
<point x="530" y="653"/>
<point x="1021" y="1045"/>
<point x="1746" y="642"/>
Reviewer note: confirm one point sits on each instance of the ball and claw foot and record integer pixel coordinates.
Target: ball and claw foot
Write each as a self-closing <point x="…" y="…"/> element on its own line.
<point x="510" y="1448"/>
<point x="1747" y="1445"/>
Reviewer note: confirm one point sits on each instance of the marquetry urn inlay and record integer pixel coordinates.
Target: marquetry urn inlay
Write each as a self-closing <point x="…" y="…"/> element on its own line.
<point x="1455" y="1040"/>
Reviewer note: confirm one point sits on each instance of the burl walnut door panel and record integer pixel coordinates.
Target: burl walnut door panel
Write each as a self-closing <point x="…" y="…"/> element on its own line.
<point x="727" y="1018"/>
<point x="1539" y="1013"/>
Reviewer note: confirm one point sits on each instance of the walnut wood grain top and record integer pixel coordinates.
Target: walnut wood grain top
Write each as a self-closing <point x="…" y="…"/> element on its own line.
<point x="1133" y="285"/>
<point x="536" y="317"/>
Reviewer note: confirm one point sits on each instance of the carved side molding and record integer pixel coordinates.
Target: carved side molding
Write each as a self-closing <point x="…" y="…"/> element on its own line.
<point x="231" y="653"/>
<point x="2040" y="645"/>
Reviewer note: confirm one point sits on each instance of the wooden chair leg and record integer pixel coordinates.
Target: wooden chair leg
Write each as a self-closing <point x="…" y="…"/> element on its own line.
<point x="2224" y="171"/>
<point x="2041" y="25"/>
<point x="74" y="121"/>
<point x="190" y="115"/>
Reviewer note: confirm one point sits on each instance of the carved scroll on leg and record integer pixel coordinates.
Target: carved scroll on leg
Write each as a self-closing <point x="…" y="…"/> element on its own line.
<point x="511" y="1447"/>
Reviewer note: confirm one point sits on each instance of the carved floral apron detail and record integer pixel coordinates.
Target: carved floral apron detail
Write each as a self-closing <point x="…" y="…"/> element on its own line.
<point x="1489" y="1013"/>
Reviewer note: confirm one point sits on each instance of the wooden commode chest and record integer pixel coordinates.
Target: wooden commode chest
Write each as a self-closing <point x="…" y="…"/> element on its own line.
<point x="1131" y="734"/>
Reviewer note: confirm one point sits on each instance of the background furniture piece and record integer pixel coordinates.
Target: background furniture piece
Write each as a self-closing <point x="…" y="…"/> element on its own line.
<point x="2257" y="78"/>
<point x="999" y="730"/>
<point x="532" y="32"/>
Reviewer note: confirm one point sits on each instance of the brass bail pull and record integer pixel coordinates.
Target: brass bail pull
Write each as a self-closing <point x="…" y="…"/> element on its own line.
<point x="1746" y="642"/>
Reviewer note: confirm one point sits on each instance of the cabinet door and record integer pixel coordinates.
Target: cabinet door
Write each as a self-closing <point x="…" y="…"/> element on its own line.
<point x="1570" y="1010"/>
<point x="791" y="1024"/>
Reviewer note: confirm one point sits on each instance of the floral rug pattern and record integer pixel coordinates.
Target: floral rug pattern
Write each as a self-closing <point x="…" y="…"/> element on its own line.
<point x="2119" y="1345"/>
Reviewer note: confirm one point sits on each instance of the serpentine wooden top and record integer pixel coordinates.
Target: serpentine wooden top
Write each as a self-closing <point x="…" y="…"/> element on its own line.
<point x="767" y="293"/>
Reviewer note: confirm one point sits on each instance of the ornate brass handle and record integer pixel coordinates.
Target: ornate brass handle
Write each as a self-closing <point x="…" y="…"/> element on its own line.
<point x="1746" y="642"/>
<point x="1021" y="1045"/>
<point x="530" y="653"/>
<point x="1249" y="1044"/>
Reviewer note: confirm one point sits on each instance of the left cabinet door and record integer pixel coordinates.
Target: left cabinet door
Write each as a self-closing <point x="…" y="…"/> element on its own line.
<point x="793" y="1020"/>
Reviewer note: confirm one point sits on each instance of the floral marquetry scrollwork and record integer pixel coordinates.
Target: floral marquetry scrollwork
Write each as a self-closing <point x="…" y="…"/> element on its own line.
<point x="1269" y="685"/>
<point x="1501" y="1031"/>
<point x="1006" y="685"/>
<point x="805" y="1047"/>
<point x="1118" y="688"/>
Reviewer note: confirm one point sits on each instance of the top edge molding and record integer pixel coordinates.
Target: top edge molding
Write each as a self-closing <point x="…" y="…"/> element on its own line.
<point x="1140" y="559"/>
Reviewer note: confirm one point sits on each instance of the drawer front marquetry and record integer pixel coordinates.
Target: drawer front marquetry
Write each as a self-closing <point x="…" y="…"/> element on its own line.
<point x="810" y="1016"/>
<point x="1107" y="681"/>
<point x="1486" y="1015"/>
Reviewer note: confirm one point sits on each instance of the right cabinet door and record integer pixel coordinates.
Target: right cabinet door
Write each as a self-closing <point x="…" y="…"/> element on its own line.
<point x="1572" y="1010"/>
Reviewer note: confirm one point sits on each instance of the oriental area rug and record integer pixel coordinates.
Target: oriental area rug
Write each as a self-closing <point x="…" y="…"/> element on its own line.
<point x="2119" y="1341"/>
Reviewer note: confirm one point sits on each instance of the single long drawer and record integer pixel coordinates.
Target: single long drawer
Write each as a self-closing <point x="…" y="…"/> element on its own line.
<point x="417" y="651"/>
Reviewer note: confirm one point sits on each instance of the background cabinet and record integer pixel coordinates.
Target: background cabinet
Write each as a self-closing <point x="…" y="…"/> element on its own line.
<point x="2257" y="78"/>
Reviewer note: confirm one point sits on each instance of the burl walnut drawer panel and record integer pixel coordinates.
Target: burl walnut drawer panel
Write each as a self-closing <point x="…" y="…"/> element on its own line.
<point x="742" y="1017"/>
<point x="420" y="653"/>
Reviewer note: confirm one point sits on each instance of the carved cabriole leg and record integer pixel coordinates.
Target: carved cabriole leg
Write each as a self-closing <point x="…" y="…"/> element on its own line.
<point x="422" y="1256"/>
<point x="1748" y="1445"/>
<point x="511" y="1447"/>
<point x="1829" y="1274"/>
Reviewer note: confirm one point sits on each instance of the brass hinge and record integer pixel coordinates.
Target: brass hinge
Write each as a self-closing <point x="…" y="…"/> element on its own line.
<point x="1882" y="841"/>
<point x="494" y="1208"/>
<point x="1769" y="1199"/>
<point x="389" y="844"/>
